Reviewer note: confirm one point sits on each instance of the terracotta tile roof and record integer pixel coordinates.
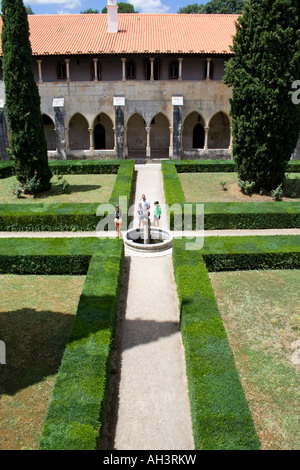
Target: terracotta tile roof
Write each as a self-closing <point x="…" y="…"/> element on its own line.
<point x="138" y="33"/>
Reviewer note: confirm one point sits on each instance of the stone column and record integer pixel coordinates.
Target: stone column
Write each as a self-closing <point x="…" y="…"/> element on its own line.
<point x="171" y="142"/>
<point x="208" y="60"/>
<point x="91" y="132"/>
<point x="4" y="145"/>
<point x="180" y="69"/>
<point x="95" y="70"/>
<point x="67" y="61"/>
<point x="123" y="69"/>
<point x="119" y="103"/>
<point x="206" y="129"/>
<point x="125" y="142"/>
<point x="39" y="62"/>
<point x="67" y="140"/>
<point x="60" y="132"/>
<point x="230" y="133"/>
<point x="177" y="102"/>
<point x="148" y="147"/>
<point x="151" y="68"/>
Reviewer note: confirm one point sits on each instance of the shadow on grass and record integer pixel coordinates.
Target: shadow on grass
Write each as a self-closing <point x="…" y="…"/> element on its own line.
<point x="72" y="189"/>
<point x="35" y="343"/>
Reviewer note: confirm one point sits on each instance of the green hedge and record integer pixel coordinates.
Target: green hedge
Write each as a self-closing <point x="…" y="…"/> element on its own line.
<point x="65" y="216"/>
<point x="221" y="419"/>
<point x="84" y="167"/>
<point x="70" y="167"/>
<point x="223" y="166"/>
<point x="7" y="169"/>
<point x="225" y="215"/>
<point x="240" y="215"/>
<point x="220" y="415"/>
<point x="75" y="416"/>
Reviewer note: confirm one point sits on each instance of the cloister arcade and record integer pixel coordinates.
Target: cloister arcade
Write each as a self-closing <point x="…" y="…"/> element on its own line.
<point x="143" y="136"/>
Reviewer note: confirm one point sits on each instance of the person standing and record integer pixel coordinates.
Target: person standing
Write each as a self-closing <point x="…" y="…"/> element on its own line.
<point x="156" y="214"/>
<point x="145" y="203"/>
<point x="118" y="219"/>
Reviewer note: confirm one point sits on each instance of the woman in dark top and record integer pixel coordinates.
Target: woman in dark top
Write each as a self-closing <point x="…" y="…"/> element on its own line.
<point x="118" y="219"/>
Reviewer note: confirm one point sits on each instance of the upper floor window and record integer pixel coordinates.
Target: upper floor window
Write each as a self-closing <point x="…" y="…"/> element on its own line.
<point x="61" y="70"/>
<point x="174" y="70"/>
<point x="130" y="71"/>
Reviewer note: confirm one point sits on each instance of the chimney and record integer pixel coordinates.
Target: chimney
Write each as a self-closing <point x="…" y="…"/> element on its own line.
<point x="112" y="16"/>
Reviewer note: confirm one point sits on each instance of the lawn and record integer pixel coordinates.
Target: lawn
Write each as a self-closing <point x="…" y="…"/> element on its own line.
<point x="260" y="311"/>
<point x="207" y="187"/>
<point x="36" y="314"/>
<point x="80" y="188"/>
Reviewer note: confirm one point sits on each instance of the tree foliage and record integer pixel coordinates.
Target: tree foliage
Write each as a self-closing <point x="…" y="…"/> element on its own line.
<point x="123" y="8"/>
<point x="89" y="10"/>
<point x="29" y="10"/>
<point x="22" y="101"/>
<point x="215" y="6"/>
<point x="266" y="62"/>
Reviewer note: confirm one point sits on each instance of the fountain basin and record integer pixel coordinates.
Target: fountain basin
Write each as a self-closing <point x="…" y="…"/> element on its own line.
<point x="161" y="240"/>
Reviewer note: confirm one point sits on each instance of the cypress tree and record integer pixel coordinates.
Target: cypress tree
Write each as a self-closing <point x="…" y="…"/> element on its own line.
<point x="266" y="62"/>
<point x="28" y="144"/>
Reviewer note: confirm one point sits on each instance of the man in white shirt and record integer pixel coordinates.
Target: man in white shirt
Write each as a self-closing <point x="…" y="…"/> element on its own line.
<point x="145" y="203"/>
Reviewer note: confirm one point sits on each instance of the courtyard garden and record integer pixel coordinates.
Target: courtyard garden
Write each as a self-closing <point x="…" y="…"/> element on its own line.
<point x="239" y="319"/>
<point x="64" y="189"/>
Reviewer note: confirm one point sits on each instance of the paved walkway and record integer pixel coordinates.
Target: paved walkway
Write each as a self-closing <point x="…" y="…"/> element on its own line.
<point x="154" y="411"/>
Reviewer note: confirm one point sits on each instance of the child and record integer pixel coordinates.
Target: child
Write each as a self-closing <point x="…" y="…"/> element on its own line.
<point x="156" y="214"/>
<point x="140" y="214"/>
<point x="118" y="219"/>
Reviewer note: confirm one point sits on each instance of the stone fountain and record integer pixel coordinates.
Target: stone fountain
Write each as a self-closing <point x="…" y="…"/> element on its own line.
<point x="148" y="239"/>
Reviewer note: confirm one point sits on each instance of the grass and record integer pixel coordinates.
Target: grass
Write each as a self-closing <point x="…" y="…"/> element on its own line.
<point x="207" y="187"/>
<point x="82" y="188"/>
<point x="35" y="319"/>
<point x="260" y="311"/>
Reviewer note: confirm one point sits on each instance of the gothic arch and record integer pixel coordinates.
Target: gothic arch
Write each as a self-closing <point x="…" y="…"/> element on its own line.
<point x="78" y="133"/>
<point x="160" y="136"/>
<point x="103" y="132"/>
<point x="219" y="131"/>
<point x="193" y="131"/>
<point x="136" y="136"/>
<point x="49" y="129"/>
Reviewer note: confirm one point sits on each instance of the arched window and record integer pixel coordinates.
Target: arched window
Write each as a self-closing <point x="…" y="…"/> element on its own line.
<point x="130" y="71"/>
<point x="198" y="137"/>
<point x="174" y="71"/>
<point x="99" y="137"/>
<point x="61" y="70"/>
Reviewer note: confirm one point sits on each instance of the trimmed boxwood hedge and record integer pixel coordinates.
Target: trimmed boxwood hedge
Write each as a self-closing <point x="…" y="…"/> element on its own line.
<point x="66" y="216"/>
<point x="241" y="215"/>
<point x="70" y="167"/>
<point x="225" y="215"/>
<point x="7" y="169"/>
<point x="76" y="412"/>
<point x="221" y="418"/>
<point x="223" y="166"/>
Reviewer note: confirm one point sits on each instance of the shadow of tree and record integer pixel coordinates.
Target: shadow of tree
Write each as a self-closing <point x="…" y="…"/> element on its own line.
<point x="56" y="190"/>
<point x="35" y="343"/>
<point x="138" y="331"/>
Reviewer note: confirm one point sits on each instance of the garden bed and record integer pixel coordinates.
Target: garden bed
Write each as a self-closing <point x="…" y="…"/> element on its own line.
<point x="76" y="411"/>
<point x="68" y="216"/>
<point x="219" y="215"/>
<point x="43" y="308"/>
<point x="221" y="416"/>
<point x="260" y="311"/>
